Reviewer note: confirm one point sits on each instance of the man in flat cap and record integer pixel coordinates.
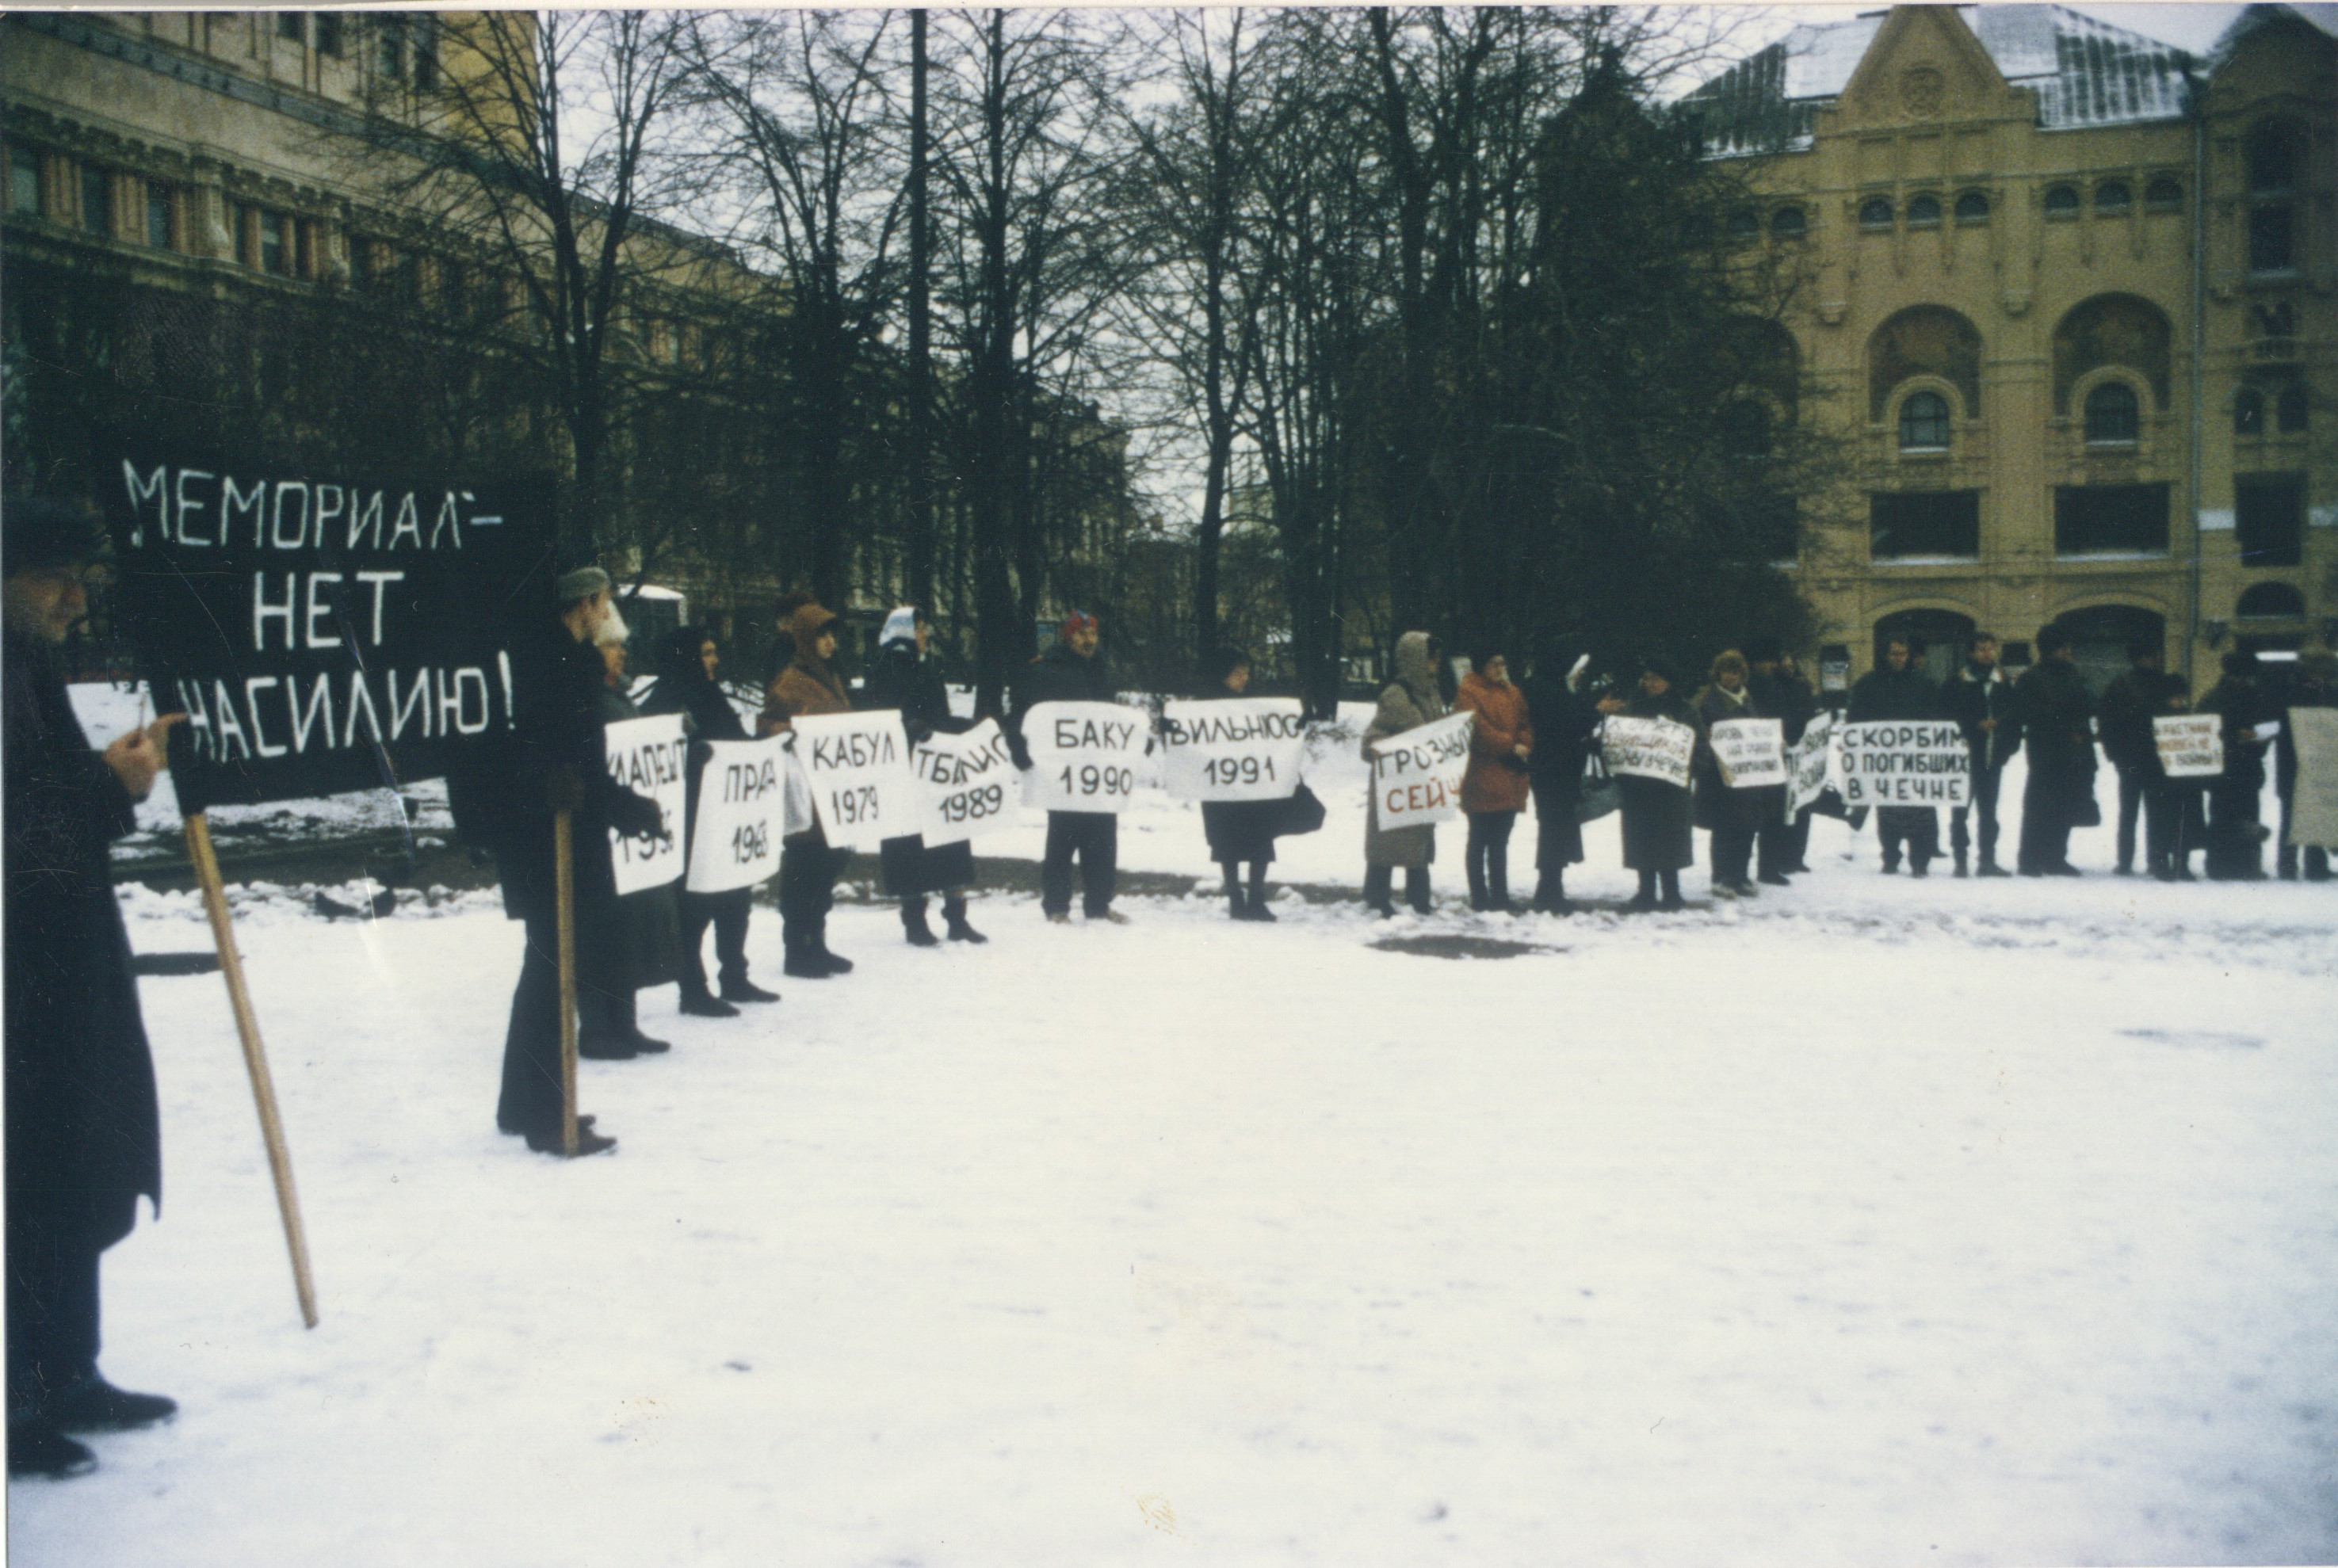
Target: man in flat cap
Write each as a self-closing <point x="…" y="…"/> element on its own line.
<point x="558" y="762"/>
<point x="83" y="1133"/>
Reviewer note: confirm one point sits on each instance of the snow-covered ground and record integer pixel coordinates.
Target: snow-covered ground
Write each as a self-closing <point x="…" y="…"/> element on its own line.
<point x="1874" y="1221"/>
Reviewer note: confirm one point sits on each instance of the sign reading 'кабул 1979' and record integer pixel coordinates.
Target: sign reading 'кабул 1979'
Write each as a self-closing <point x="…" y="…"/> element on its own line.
<point x="321" y="632"/>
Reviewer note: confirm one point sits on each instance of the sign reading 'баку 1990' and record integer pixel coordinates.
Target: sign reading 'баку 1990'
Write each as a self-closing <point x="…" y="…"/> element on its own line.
<point x="321" y="631"/>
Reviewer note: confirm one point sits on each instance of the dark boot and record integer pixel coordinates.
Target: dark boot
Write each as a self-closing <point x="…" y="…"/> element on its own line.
<point x="1671" y="896"/>
<point x="913" y="924"/>
<point x="954" y="922"/>
<point x="1234" y="906"/>
<point x="1256" y="907"/>
<point x="1415" y="889"/>
<point x="1474" y="863"/>
<point x="36" y="1447"/>
<point x="1962" y="870"/>
<point x="1380" y="891"/>
<point x="701" y="1004"/>
<point x="804" y="963"/>
<point x="1497" y="882"/>
<point x="1646" y="899"/>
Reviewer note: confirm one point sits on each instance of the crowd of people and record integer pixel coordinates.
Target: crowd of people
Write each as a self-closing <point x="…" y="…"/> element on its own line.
<point x="83" y="1126"/>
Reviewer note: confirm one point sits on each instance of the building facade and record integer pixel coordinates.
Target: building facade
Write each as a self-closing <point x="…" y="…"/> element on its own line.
<point x="2067" y="295"/>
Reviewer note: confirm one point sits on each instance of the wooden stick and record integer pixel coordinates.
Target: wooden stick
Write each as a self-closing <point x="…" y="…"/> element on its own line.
<point x="255" y="1058"/>
<point x="564" y="882"/>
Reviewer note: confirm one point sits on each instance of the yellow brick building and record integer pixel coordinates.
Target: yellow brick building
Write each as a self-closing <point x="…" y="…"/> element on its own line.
<point x="2067" y="293"/>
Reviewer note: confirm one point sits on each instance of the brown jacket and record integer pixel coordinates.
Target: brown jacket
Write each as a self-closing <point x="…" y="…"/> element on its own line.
<point x="1491" y="784"/>
<point x="807" y="686"/>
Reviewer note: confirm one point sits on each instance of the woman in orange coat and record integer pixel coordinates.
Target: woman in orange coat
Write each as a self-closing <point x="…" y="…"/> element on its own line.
<point x="1494" y="790"/>
<point x="809" y="867"/>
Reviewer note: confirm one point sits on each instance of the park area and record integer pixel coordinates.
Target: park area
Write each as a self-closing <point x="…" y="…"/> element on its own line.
<point x="1873" y="1220"/>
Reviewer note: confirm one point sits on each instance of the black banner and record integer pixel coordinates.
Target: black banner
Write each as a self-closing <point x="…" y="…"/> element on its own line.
<point x="321" y="632"/>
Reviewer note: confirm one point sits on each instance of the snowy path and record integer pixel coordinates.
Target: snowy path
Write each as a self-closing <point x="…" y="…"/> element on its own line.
<point x="1942" y="1223"/>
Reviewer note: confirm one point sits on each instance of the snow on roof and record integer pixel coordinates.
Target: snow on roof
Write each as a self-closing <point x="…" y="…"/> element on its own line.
<point x="2085" y="73"/>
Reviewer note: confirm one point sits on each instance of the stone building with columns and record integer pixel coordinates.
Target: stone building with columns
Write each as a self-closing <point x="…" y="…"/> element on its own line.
<point x="2071" y="297"/>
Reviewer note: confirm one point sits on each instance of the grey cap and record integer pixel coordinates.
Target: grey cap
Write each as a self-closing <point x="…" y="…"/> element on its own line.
<point x="574" y="587"/>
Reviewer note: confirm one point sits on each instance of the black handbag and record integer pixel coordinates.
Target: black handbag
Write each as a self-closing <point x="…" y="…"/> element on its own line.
<point x="1301" y="813"/>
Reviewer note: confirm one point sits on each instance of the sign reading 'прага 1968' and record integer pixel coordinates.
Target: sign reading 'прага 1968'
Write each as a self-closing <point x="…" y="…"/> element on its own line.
<point x="320" y="633"/>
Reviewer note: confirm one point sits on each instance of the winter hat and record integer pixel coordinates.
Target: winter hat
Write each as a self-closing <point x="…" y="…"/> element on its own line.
<point x="1079" y="620"/>
<point x="576" y="587"/>
<point x="1660" y="668"/>
<point x="900" y="626"/>
<point x="805" y="621"/>
<point x="1728" y="662"/>
<point x="39" y="533"/>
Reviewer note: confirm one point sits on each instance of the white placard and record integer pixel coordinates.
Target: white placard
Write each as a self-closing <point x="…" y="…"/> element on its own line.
<point x="742" y="815"/>
<point x="1085" y="756"/>
<point x="858" y="765"/>
<point x="1751" y="752"/>
<point x="2314" y="809"/>
<point x="1417" y="775"/>
<point x="2191" y="745"/>
<point x="1813" y="754"/>
<point x="1658" y="748"/>
<point x="1231" y="748"/>
<point x="1905" y="762"/>
<point x="649" y="757"/>
<point x="966" y="783"/>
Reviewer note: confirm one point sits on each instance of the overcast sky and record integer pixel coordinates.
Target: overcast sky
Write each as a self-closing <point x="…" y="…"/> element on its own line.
<point x="2187" y="26"/>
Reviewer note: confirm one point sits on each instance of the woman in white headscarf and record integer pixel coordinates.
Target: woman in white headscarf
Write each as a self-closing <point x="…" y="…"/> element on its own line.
<point x="906" y="679"/>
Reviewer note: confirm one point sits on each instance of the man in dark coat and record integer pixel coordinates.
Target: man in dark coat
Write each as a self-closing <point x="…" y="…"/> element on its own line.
<point x="2128" y="706"/>
<point x="1071" y="672"/>
<point x="2316" y="687"/>
<point x="557" y="761"/>
<point x="1778" y="685"/>
<point x="686" y="686"/>
<point x="1981" y="699"/>
<point x="1563" y="721"/>
<point x="2235" y="831"/>
<point x="2057" y="727"/>
<point x="83" y="1131"/>
<point x="1900" y="691"/>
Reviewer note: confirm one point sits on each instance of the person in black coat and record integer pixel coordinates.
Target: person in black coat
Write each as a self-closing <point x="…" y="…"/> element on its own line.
<point x="1659" y="818"/>
<point x="1564" y="721"/>
<point x="1073" y="670"/>
<point x="1239" y="831"/>
<point x="556" y="761"/>
<point x="686" y="686"/>
<point x="1734" y="816"/>
<point x="634" y="939"/>
<point x="2057" y="714"/>
<point x="906" y="679"/>
<point x="2316" y="687"/>
<point x="1779" y="688"/>
<point x="83" y="1131"/>
<point x="1900" y="691"/>
<point x="2128" y="705"/>
<point x="2235" y="830"/>
<point x="1981" y="699"/>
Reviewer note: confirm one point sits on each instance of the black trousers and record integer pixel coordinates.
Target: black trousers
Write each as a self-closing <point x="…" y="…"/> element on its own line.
<point x="2047" y="818"/>
<point x="809" y="868"/>
<point x="1488" y="855"/>
<point x="2131" y="785"/>
<point x="1733" y="847"/>
<point x="530" y="1101"/>
<point x="2174" y="825"/>
<point x="1379" y="884"/>
<point x="1985" y="782"/>
<point x="1094" y="836"/>
<point x="1916" y="829"/>
<point x="727" y="913"/>
<point x="54" y="1240"/>
<point x="2233" y="824"/>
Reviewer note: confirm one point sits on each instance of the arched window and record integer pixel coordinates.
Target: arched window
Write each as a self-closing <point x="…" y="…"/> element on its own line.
<point x="2164" y="194"/>
<point x="1875" y="212"/>
<point x="1924" y="211"/>
<point x="2062" y="202"/>
<point x="1789" y="223"/>
<point x="1924" y="341"/>
<point x="2125" y="330"/>
<point x="2274" y="152"/>
<point x="2114" y="418"/>
<point x="2248" y="412"/>
<point x="2289" y="411"/>
<point x="1924" y="423"/>
<point x="1972" y="207"/>
<point x="2269" y="601"/>
<point x="2113" y="196"/>
<point x="1744" y="223"/>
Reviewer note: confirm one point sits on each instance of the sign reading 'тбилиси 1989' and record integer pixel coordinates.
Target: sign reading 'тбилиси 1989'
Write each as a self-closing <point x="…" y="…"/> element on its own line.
<point x="320" y="633"/>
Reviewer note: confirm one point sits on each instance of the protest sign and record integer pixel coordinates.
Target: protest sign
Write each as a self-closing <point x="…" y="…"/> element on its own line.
<point x="2191" y="745"/>
<point x="2314" y="809"/>
<point x="1904" y="762"/>
<point x="1658" y="748"/>
<point x="964" y="781"/>
<point x="1231" y="748"/>
<point x="1417" y="775"/>
<point x="1085" y="756"/>
<point x="322" y="633"/>
<point x="1751" y="752"/>
<point x="858" y="765"/>
<point x="742" y="815"/>
<point x="649" y="757"/>
<point x="1813" y="754"/>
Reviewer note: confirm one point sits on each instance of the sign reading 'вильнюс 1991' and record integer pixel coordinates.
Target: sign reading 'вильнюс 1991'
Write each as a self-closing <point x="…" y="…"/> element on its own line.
<point x="321" y="631"/>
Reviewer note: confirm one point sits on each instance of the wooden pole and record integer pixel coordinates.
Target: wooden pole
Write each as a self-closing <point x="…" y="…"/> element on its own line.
<point x="563" y="878"/>
<point x="255" y="1058"/>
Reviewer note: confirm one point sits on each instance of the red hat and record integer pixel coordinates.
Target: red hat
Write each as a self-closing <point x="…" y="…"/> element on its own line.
<point x="1080" y="621"/>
